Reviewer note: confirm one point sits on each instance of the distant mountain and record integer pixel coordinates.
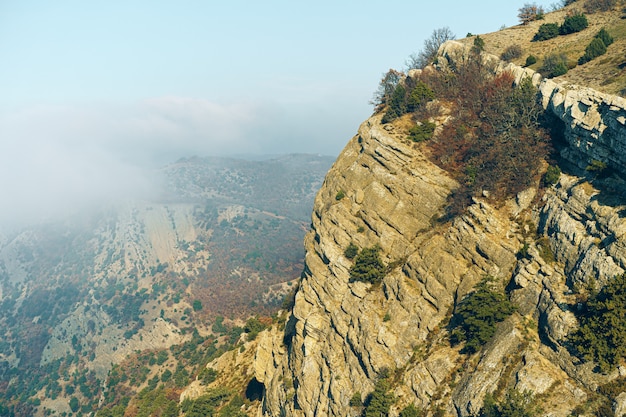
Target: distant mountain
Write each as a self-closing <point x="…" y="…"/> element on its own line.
<point x="79" y="295"/>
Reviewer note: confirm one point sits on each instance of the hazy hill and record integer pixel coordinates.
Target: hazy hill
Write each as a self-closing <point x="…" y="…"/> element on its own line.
<point x="80" y="294"/>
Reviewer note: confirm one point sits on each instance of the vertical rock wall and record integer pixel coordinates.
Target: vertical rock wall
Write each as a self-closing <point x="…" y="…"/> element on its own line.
<point x="342" y="336"/>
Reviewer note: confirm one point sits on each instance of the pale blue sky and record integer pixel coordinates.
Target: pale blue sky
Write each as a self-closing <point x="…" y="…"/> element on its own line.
<point x="121" y="84"/>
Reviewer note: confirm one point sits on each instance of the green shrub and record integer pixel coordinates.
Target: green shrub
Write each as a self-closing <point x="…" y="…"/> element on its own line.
<point x="573" y="24"/>
<point x="378" y="402"/>
<point x="207" y="375"/>
<point x="422" y="132"/>
<point x="479" y="44"/>
<point x="207" y="404"/>
<point x="511" y="52"/>
<point x="605" y="37"/>
<point x="368" y="266"/>
<point x="593" y="50"/>
<point x="253" y="327"/>
<point x="397" y="105"/>
<point x="554" y="65"/>
<point x="545" y="251"/>
<point x="475" y="317"/>
<point x="514" y="404"/>
<point x="596" y="166"/>
<point x="351" y="251"/>
<point x="355" y="401"/>
<point x="553" y="174"/>
<point x="530" y="60"/>
<point x="340" y="194"/>
<point x="419" y="95"/>
<point x="601" y="336"/>
<point x="411" y="411"/>
<point x="74" y="405"/>
<point x="546" y="31"/>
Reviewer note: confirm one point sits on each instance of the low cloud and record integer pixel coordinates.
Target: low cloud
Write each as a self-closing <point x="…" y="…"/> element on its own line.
<point x="56" y="159"/>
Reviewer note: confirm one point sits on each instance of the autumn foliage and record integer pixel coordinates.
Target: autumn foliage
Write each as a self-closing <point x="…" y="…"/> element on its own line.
<point x="495" y="143"/>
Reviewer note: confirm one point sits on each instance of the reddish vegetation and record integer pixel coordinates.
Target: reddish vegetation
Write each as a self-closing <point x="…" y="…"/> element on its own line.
<point x="495" y="142"/>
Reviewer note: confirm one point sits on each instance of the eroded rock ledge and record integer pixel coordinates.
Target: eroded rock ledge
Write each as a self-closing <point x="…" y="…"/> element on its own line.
<point x="341" y="336"/>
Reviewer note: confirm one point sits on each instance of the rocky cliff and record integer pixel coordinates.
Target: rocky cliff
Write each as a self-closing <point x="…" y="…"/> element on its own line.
<point x="342" y="335"/>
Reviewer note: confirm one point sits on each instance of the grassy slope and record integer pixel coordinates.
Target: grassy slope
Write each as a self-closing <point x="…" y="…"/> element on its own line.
<point x="606" y="73"/>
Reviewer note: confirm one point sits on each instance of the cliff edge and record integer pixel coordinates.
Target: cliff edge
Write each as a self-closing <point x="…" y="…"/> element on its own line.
<point x="383" y="190"/>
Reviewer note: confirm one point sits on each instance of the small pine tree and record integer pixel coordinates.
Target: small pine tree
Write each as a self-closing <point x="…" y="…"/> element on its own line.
<point x="552" y="175"/>
<point x="351" y="251"/>
<point x="573" y="24"/>
<point x="379" y="401"/>
<point x="479" y="44"/>
<point x="475" y="317"/>
<point x="593" y="50"/>
<point x="546" y="31"/>
<point x="605" y="37"/>
<point x="368" y="266"/>
<point x="601" y="336"/>
<point x="356" y="401"/>
<point x="422" y="132"/>
<point x="396" y="104"/>
<point x="531" y="60"/>
<point x="419" y="95"/>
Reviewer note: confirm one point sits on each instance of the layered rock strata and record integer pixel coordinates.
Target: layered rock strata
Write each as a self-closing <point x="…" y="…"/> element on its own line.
<point x="344" y="335"/>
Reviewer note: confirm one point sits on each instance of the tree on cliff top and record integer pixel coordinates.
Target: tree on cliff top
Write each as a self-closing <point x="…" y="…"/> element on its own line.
<point x="429" y="51"/>
<point x="386" y="87"/>
<point x="530" y="12"/>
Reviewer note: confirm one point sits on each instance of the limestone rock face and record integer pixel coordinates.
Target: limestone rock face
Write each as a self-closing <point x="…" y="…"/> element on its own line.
<point x="342" y="335"/>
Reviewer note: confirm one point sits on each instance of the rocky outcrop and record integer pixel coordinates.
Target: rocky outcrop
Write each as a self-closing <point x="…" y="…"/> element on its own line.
<point x="384" y="191"/>
<point x="593" y="123"/>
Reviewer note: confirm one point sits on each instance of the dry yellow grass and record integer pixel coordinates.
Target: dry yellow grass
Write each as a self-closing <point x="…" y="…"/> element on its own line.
<point x="606" y="73"/>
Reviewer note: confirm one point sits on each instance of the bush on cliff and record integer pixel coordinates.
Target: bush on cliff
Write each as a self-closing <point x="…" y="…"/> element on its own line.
<point x="422" y="132"/>
<point x="368" y="266"/>
<point x="351" y="251"/>
<point x="592" y="6"/>
<point x="377" y="404"/>
<point x="475" y="317"/>
<point x="514" y="404"/>
<point x="511" y="52"/>
<point x="601" y="336"/>
<point x="409" y="96"/>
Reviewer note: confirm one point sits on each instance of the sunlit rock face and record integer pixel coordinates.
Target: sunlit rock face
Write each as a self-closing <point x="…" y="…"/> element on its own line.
<point x="342" y="336"/>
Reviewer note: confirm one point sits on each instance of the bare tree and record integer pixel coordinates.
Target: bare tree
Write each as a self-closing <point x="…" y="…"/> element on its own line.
<point x="386" y="88"/>
<point x="529" y="12"/>
<point x="429" y="51"/>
